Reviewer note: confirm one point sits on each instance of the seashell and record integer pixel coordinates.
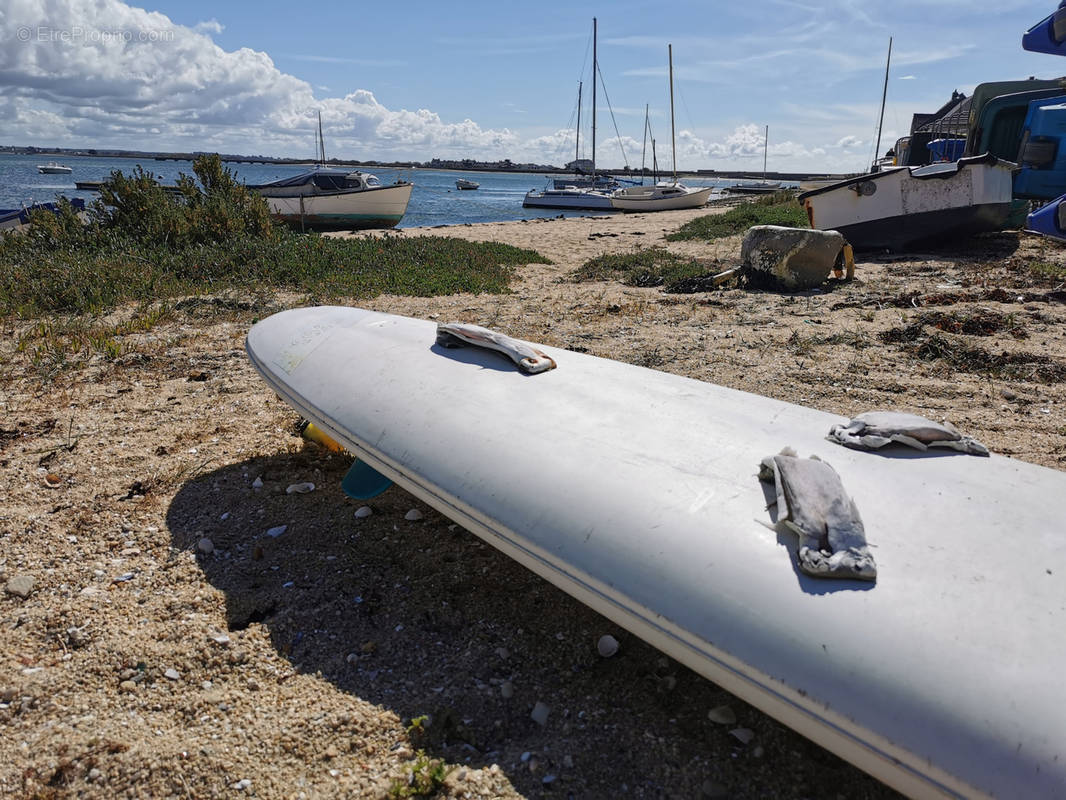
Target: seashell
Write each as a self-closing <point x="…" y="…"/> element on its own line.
<point x="300" y="488"/>
<point x="413" y="515"/>
<point x="607" y="646"/>
<point x="52" y="481"/>
<point x="723" y="715"/>
<point x="363" y="511"/>
<point x="743" y="735"/>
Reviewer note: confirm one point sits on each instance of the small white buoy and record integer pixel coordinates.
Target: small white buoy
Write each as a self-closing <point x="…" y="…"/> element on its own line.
<point x="539" y="714"/>
<point x="607" y="646"/>
<point x="413" y="515"/>
<point x="363" y="512"/>
<point x="300" y="488"/>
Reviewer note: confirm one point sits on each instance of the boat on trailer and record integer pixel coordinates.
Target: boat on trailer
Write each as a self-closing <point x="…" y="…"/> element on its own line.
<point x="901" y="207"/>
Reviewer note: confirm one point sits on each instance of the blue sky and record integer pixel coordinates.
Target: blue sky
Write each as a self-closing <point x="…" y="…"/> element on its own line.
<point x="415" y="80"/>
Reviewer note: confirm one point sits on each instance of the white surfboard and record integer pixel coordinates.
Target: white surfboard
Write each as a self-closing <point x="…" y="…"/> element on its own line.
<point x="636" y="492"/>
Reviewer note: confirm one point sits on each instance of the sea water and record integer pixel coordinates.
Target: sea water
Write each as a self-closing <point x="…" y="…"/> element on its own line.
<point x="434" y="200"/>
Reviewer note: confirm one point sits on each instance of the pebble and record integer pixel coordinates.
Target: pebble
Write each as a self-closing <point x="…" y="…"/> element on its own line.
<point x="127" y="687"/>
<point x="205" y="546"/>
<point x="172" y="674"/>
<point x="242" y="785"/>
<point x="257" y="483"/>
<point x="539" y="714"/>
<point x="723" y="715"/>
<point x="506" y="690"/>
<point x="300" y="488"/>
<point x="607" y="646"/>
<point x="21" y="585"/>
<point x="275" y="532"/>
<point x="363" y="512"/>
<point x="744" y="735"/>
<point x="413" y="515"/>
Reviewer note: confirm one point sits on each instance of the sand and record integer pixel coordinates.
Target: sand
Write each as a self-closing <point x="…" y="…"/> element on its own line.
<point x="175" y="640"/>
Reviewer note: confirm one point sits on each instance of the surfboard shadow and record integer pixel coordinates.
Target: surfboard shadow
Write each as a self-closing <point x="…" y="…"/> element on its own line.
<point x="420" y="617"/>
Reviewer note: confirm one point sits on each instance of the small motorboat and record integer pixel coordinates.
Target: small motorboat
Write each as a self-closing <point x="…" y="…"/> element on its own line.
<point x="463" y="183"/>
<point x="54" y="168"/>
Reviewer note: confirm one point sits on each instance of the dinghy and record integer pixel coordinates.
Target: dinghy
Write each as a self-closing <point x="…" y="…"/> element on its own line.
<point x="637" y="492"/>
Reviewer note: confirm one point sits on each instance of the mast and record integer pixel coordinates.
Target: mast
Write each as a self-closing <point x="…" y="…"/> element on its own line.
<point x="673" y="144"/>
<point x="765" y="146"/>
<point x="594" y="102"/>
<point x="321" y="142"/>
<point x="884" y="95"/>
<point x="644" y="147"/>
<point x="577" y="137"/>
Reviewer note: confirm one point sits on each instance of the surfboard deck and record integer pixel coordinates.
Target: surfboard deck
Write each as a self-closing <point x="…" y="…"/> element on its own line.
<point x="636" y="492"/>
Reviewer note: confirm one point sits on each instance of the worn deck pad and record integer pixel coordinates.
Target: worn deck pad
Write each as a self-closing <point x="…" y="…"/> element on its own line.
<point x="875" y="429"/>
<point x="811" y="501"/>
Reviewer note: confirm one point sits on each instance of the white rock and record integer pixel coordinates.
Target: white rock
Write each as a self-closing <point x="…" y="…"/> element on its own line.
<point x="607" y="646"/>
<point x="257" y="483"/>
<point x="274" y="533"/>
<point x="723" y="715"/>
<point x="363" y="512"/>
<point x="744" y="735"/>
<point x="413" y="515"/>
<point x="539" y="714"/>
<point x="172" y="674"/>
<point x="205" y="545"/>
<point x="242" y="784"/>
<point x="300" y="488"/>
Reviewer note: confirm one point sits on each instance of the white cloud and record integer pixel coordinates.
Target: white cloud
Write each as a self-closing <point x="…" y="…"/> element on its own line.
<point x="209" y="26"/>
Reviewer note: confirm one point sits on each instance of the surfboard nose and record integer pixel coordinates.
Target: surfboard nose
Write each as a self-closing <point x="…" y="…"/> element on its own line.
<point x="283" y="340"/>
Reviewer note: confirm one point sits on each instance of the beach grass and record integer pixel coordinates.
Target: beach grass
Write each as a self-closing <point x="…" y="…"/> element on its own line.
<point x="649" y="267"/>
<point x="142" y="246"/>
<point x="779" y="208"/>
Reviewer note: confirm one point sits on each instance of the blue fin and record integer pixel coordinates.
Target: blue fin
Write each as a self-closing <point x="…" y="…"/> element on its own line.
<point x="363" y="481"/>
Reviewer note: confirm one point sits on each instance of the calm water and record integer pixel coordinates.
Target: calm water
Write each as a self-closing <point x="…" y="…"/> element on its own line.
<point x="434" y="201"/>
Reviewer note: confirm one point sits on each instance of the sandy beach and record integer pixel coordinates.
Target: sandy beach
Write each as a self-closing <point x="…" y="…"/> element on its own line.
<point x="177" y="624"/>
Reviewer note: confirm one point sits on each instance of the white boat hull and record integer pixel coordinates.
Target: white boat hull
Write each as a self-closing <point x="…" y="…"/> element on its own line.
<point x="636" y="492"/>
<point x="901" y="207"/>
<point x="379" y="207"/>
<point x="660" y="198"/>
<point x="586" y="199"/>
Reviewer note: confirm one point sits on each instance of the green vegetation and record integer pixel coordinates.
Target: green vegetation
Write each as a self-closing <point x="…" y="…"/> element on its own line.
<point x="1045" y="270"/>
<point x="425" y="778"/>
<point x="779" y="208"/>
<point x="142" y="244"/>
<point x="651" y="267"/>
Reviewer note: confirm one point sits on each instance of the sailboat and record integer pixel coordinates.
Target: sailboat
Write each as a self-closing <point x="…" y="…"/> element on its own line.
<point x="757" y="187"/>
<point x="325" y="199"/>
<point x="664" y="195"/>
<point x="591" y="196"/>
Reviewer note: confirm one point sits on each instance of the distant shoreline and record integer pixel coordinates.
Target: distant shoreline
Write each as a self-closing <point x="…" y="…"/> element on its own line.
<point x="448" y="166"/>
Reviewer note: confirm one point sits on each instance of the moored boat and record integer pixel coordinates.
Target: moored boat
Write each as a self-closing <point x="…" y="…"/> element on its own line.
<point x="901" y="207"/>
<point x="663" y="196"/>
<point x="464" y="184"/>
<point x="54" y="168"/>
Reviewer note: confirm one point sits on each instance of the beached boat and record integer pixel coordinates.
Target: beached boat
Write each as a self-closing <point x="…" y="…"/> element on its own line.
<point x="15" y="218"/>
<point x="464" y="184"/>
<point x="54" y="168"/>
<point x="333" y="199"/>
<point x="664" y="195"/>
<point x="901" y="207"/>
<point x="324" y="199"/>
<point x="636" y="492"/>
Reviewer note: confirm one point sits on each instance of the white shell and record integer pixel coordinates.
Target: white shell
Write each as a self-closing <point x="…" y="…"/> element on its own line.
<point x="723" y="715"/>
<point x="607" y="646"/>
<point x="300" y="488"/>
<point x="413" y="515"/>
<point x="363" y="511"/>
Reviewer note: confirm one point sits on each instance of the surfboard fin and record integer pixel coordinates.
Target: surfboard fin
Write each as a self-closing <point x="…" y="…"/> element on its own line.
<point x="363" y="482"/>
